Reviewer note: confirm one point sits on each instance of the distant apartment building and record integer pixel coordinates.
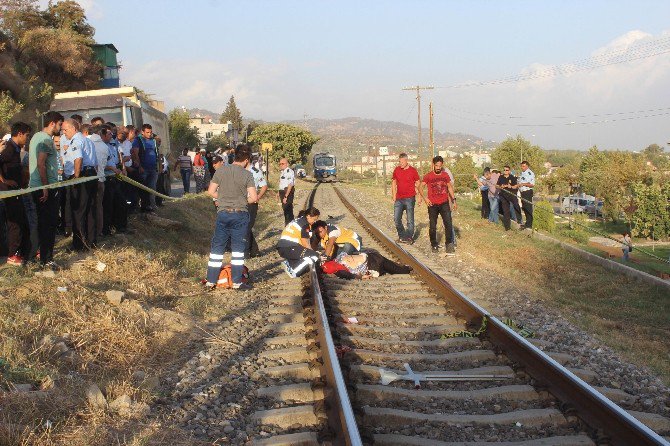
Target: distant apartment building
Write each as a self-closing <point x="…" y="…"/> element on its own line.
<point x="480" y="158"/>
<point x="207" y="128"/>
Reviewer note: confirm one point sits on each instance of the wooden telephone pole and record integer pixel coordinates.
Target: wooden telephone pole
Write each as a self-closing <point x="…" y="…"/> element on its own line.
<point x="418" y="89"/>
<point x="432" y="141"/>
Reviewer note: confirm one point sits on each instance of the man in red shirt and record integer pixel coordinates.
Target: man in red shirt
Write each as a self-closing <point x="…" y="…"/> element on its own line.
<point x="440" y="201"/>
<point x="405" y="185"/>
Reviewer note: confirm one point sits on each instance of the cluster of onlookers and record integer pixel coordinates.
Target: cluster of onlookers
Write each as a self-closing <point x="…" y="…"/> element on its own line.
<point x="501" y="193"/>
<point x="69" y="149"/>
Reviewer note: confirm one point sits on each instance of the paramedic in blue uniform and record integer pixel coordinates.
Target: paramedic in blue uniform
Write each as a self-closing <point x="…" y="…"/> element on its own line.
<point x="261" y="187"/>
<point x="526" y="184"/>
<point x="286" y="189"/>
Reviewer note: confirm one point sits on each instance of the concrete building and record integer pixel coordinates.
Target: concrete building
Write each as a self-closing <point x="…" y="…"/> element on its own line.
<point x="207" y="128"/>
<point x="106" y="54"/>
<point x="481" y="158"/>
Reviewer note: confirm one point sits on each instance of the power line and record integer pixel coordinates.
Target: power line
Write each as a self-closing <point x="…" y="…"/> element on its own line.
<point x="665" y="112"/>
<point x="593" y="115"/>
<point x="641" y="51"/>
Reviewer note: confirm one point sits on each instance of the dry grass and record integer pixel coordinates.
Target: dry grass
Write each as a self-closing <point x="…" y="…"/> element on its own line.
<point x="63" y="341"/>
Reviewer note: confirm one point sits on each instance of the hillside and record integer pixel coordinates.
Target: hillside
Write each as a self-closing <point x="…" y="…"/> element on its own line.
<point x="346" y="135"/>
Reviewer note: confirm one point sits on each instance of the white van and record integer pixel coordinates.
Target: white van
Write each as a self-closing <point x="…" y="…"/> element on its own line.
<point x="580" y="203"/>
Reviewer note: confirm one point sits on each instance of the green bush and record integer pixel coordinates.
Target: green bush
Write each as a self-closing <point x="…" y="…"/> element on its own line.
<point x="543" y="217"/>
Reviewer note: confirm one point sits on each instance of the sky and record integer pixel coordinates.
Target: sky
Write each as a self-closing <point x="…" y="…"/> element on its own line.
<point x="334" y="59"/>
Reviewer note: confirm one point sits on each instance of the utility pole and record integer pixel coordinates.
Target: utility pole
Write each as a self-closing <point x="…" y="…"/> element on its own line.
<point x="432" y="141"/>
<point x="418" y="89"/>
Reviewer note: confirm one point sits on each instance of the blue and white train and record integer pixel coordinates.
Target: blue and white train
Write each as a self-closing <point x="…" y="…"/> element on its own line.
<point x="325" y="167"/>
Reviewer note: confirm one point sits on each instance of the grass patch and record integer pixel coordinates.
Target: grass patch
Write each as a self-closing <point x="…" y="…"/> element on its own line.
<point x="61" y="342"/>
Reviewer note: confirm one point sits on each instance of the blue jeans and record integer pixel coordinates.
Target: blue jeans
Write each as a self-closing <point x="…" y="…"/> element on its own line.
<point x="31" y="217"/>
<point x="493" y="215"/>
<point x="149" y="179"/>
<point x="400" y="205"/>
<point x="186" y="179"/>
<point x="3" y="231"/>
<point x="233" y="227"/>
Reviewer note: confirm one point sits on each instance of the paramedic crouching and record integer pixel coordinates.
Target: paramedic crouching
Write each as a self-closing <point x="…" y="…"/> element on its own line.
<point x="233" y="187"/>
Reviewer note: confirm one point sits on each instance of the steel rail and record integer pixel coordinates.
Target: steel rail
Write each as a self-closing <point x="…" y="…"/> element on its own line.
<point x="341" y="419"/>
<point x="333" y="371"/>
<point x="590" y="405"/>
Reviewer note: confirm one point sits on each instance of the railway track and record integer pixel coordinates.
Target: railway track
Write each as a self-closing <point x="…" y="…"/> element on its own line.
<point x="502" y="389"/>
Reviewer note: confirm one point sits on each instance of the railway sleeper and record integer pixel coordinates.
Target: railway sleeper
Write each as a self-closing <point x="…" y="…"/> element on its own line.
<point x="371" y="373"/>
<point x="295" y="439"/>
<point x="376" y="393"/>
<point x="404" y="440"/>
<point x="376" y="416"/>
<point x="400" y="322"/>
<point x="419" y="360"/>
<point x="409" y="313"/>
<point x="398" y="333"/>
<point x="446" y="344"/>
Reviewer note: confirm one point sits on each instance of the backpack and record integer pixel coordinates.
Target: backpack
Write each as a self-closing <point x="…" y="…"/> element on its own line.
<point x="226" y="276"/>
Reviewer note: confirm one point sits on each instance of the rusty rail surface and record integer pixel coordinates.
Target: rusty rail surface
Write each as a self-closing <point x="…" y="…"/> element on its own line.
<point x="591" y="406"/>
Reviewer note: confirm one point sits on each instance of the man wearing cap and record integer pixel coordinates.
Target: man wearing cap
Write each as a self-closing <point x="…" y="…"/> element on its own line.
<point x="526" y="185"/>
<point x="261" y="187"/>
<point x="286" y="189"/>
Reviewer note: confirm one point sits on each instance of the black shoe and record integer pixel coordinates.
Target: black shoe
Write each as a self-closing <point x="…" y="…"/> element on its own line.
<point x="450" y="250"/>
<point x="435" y="248"/>
<point x="401" y="240"/>
<point x="242" y="287"/>
<point x="409" y="240"/>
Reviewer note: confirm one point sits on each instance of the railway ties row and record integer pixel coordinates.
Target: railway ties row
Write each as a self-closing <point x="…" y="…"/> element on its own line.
<point x="380" y="326"/>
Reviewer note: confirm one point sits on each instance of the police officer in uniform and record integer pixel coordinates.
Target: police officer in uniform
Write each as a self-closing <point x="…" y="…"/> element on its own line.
<point x="337" y="239"/>
<point x="526" y="183"/>
<point x="261" y="187"/>
<point x="286" y="190"/>
<point x="80" y="160"/>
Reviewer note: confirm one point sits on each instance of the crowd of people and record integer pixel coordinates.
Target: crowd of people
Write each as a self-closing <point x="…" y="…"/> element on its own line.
<point x="500" y="193"/>
<point x="86" y="211"/>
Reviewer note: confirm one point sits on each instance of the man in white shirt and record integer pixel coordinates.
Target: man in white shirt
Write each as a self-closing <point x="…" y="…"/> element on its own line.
<point x="261" y="187"/>
<point x="101" y="153"/>
<point x="286" y="189"/>
<point x="526" y="184"/>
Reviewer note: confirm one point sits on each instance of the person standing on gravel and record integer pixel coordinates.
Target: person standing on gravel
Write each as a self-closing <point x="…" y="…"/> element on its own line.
<point x="403" y="193"/>
<point x="261" y="187"/>
<point x="286" y="189"/>
<point x="441" y="201"/>
<point x="295" y="246"/>
<point x="526" y="185"/>
<point x="233" y="187"/>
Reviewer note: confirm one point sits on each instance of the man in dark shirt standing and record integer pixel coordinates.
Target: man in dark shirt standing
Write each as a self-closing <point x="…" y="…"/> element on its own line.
<point x="507" y="184"/>
<point x="11" y="178"/>
<point x="440" y="201"/>
<point x="233" y="187"/>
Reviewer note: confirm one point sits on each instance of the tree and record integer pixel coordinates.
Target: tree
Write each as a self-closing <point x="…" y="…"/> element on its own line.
<point x="182" y="135"/>
<point x="42" y="52"/>
<point x="288" y="141"/>
<point x="217" y="141"/>
<point x="232" y="114"/>
<point x="511" y="150"/>
<point x="652" y="216"/>
<point x="463" y="168"/>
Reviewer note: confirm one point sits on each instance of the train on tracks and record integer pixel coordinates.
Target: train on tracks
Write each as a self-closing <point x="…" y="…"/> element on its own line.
<point x="325" y="167"/>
